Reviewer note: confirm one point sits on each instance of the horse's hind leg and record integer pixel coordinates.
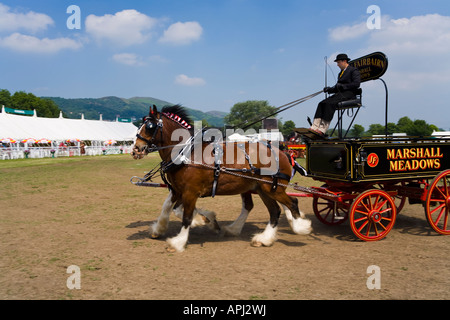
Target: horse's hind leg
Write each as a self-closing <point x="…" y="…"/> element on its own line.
<point x="201" y="217"/>
<point x="269" y="235"/>
<point x="235" y="228"/>
<point x="159" y="227"/>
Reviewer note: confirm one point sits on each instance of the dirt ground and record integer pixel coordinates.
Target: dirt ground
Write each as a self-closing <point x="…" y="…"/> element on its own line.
<point x="84" y="212"/>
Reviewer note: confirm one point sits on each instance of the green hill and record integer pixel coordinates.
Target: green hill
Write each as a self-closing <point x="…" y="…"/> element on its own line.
<point x="134" y="108"/>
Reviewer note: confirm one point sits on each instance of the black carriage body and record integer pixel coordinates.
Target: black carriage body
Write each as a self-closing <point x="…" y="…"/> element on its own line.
<point x="377" y="160"/>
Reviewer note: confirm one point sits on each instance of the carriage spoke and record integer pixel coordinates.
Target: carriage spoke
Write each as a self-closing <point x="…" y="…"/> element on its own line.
<point x="440" y="216"/>
<point x="445" y="187"/>
<point x="437" y="208"/>
<point x="382" y="225"/>
<point x="365" y="213"/>
<point x="386" y="210"/>
<point x="381" y="205"/>
<point x="363" y="225"/>
<point x="375" y="228"/>
<point x="438" y="203"/>
<point x="442" y="193"/>
<point x="365" y="206"/>
<point x="446" y="220"/>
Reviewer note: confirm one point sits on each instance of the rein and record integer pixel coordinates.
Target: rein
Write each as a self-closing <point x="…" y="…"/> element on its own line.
<point x="278" y="110"/>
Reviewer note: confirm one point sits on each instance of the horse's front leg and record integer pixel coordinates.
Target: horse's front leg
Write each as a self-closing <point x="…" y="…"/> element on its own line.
<point x="178" y="243"/>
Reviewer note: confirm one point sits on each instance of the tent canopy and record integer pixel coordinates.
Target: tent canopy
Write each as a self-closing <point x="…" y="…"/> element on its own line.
<point x="23" y="127"/>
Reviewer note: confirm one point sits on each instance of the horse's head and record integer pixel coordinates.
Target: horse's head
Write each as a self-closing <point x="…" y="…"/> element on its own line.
<point x="147" y="137"/>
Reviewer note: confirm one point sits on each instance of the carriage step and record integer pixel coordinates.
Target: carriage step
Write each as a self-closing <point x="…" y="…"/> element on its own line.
<point x="311" y="134"/>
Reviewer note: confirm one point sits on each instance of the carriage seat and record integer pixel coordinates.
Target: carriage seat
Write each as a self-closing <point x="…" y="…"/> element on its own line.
<point x="354" y="103"/>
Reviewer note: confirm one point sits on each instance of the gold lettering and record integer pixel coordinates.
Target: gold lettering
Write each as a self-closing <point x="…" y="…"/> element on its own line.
<point x="390" y="154"/>
<point x="407" y="165"/>
<point x="406" y="153"/>
<point x="437" y="164"/>
<point x="393" y="166"/>
<point x="419" y="153"/>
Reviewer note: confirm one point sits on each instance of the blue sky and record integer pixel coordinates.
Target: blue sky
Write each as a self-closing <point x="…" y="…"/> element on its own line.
<point x="211" y="54"/>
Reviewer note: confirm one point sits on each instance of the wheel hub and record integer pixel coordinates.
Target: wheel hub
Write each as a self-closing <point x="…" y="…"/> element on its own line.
<point x="375" y="216"/>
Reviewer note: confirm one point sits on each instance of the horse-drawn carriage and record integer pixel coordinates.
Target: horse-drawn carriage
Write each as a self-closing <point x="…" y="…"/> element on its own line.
<point x="366" y="181"/>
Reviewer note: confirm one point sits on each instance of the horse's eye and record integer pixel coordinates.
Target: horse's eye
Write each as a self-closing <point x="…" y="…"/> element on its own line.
<point x="149" y="125"/>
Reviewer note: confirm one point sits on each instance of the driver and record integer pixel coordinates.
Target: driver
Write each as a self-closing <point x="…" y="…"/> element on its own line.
<point x="346" y="87"/>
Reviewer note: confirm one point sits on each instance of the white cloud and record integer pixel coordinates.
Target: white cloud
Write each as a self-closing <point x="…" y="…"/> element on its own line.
<point x="343" y="33"/>
<point x="418" y="75"/>
<point x="129" y="59"/>
<point x="184" y="80"/>
<point x="413" y="46"/>
<point x="26" y="43"/>
<point x="428" y="34"/>
<point x="125" y="28"/>
<point x="30" y="21"/>
<point x="182" y="33"/>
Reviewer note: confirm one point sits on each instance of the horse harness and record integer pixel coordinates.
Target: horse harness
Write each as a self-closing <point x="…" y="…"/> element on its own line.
<point x="183" y="158"/>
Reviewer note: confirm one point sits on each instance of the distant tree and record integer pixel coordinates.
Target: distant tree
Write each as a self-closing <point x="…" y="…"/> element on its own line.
<point x="288" y="128"/>
<point x="248" y="112"/>
<point x="5" y="97"/>
<point x="28" y="101"/>
<point x="404" y="124"/>
<point x="375" y="129"/>
<point x="392" y="128"/>
<point x="420" y="128"/>
<point x="357" y="131"/>
<point x="205" y="123"/>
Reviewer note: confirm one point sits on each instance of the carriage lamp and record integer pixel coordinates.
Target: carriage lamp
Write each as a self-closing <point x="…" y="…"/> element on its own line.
<point x="362" y="156"/>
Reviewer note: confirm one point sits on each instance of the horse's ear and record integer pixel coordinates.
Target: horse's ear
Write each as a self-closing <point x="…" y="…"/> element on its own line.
<point x="153" y="111"/>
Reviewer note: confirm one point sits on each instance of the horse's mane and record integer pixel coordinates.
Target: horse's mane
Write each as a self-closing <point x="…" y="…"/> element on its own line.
<point x="179" y="111"/>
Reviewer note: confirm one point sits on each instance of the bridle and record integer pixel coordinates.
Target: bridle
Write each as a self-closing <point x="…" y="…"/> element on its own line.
<point x="156" y="127"/>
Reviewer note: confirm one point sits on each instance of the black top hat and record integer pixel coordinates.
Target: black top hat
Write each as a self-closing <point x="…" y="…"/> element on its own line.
<point x="342" y="56"/>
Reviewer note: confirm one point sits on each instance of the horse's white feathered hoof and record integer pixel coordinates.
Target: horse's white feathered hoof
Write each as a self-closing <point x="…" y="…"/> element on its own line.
<point x="301" y="226"/>
<point x="256" y="244"/>
<point x="178" y="243"/>
<point x="156" y="230"/>
<point x="265" y="238"/>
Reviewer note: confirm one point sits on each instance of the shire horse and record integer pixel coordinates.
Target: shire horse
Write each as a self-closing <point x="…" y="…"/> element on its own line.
<point x="217" y="174"/>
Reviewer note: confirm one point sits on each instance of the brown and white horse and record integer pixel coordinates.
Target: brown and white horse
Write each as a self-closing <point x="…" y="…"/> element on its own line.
<point x="218" y="172"/>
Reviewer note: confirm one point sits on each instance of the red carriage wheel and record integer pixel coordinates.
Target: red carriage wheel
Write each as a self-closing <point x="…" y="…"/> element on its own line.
<point x="437" y="203"/>
<point x="372" y="215"/>
<point x="331" y="212"/>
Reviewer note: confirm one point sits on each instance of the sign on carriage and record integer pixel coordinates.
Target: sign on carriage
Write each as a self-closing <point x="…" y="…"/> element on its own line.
<point x="403" y="159"/>
<point x="371" y="66"/>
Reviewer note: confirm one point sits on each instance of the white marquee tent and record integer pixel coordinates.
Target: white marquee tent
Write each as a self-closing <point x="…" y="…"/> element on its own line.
<point x="19" y="127"/>
<point x="22" y="127"/>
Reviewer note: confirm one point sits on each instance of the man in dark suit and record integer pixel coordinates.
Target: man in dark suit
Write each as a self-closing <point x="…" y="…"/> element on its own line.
<point x="346" y="87"/>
